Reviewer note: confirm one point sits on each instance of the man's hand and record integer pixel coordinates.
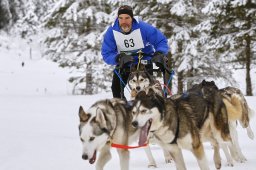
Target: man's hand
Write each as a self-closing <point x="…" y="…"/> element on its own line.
<point x="123" y="59"/>
<point x="159" y="59"/>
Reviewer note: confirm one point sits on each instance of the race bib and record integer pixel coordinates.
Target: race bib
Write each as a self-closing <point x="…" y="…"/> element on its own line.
<point x="130" y="42"/>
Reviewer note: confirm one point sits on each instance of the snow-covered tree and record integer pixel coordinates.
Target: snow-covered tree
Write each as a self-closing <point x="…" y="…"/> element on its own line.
<point x="75" y="30"/>
<point x="180" y="21"/>
<point x="233" y="32"/>
<point x="8" y="13"/>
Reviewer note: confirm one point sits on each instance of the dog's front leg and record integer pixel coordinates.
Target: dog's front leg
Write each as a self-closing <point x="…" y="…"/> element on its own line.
<point x="104" y="157"/>
<point x="124" y="156"/>
<point x="151" y="159"/>
<point x="177" y="156"/>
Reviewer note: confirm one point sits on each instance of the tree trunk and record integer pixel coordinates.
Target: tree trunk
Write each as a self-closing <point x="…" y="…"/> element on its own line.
<point x="88" y="79"/>
<point x="248" y="57"/>
<point x="180" y="82"/>
<point x="248" y="65"/>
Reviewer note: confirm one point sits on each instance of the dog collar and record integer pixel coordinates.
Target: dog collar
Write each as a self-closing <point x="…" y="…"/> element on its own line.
<point x="120" y="146"/>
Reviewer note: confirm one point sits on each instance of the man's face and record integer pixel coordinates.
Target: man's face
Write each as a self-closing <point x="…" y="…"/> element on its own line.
<point x="125" y="22"/>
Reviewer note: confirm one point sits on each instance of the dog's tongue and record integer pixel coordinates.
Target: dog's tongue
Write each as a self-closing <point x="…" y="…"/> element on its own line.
<point x="144" y="133"/>
<point x="92" y="160"/>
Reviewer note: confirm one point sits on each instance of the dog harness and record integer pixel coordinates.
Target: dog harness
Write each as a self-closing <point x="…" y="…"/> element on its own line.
<point x="115" y="145"/>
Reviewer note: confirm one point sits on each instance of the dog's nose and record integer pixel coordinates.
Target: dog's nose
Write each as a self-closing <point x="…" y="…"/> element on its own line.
<point x="138" y="88"/>
<point x="135" y="124"/>
<point x="85" y="156"/>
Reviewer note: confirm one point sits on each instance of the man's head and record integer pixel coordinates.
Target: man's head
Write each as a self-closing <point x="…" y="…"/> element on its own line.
<point x="125" y="15"/>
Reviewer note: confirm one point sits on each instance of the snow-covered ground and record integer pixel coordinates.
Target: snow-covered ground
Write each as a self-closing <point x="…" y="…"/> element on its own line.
<point x="39" y="122"/>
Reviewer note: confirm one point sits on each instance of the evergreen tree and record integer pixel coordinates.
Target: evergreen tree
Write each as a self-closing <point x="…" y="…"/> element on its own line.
<point x="180" y="21"/>
<point x="74" y="40"/>
<point x="233" y="33"/>
<point x="8" y="13"/>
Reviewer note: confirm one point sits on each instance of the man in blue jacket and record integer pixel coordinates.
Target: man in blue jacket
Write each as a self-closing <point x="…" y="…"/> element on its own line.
<point x="124" y="39"/>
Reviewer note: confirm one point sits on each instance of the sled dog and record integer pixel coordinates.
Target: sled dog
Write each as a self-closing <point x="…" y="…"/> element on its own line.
<point x="237" y="109"/>
<point x="142" y="81"/>
<point x="182" y="123"/>
<point x="107" y="121"/>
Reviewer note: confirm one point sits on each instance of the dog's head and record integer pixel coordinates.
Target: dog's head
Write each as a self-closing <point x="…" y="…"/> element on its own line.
<point x="139" y="80"/>
<point x="147" y="109"/>
<point x="209" y="89"/>
<point x="96" y="127"/>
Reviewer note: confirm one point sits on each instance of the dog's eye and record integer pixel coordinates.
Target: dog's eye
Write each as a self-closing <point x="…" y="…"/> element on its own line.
<point x="91" y="139"/>
<point x="133" y="81"/>
<point x="141" y="79"/>
<point x="81" y="139"/>
<point x="143" y="111"/>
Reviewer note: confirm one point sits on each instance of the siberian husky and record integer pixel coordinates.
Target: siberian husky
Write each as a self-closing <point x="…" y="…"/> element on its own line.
<point x="108" y="121"/>
<point x="142" y="81"/>
<point x="182" y="123"/>
<point x="237" y="109"/>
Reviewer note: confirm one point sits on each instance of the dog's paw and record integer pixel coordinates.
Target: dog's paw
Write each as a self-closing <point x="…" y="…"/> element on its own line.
<point x="168" y="157"/>
<point x="168" y="161"/>
<point x="218" y="166"/>
<point x="152" y="166"/>
<point x="240" y="158"/>
<point x="230" y="163"/>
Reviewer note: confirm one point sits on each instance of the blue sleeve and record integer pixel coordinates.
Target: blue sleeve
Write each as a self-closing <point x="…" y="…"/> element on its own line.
<point x="109" y="49"/>
<point x="156" y="38"/>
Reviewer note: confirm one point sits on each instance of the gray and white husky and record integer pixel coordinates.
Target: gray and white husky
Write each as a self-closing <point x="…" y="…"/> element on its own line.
<point x="143" y="81"/>
<point x="181" y="124"/>
<point x="108" y="121"/>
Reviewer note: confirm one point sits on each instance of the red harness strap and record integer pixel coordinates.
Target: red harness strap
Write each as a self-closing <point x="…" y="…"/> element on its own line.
<point x="114" y="145"/>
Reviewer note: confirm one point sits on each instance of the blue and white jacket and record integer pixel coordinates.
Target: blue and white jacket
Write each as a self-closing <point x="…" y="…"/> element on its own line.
<point x="152" y="38"/>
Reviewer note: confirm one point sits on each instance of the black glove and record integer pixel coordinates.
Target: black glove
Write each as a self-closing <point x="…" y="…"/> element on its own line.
<point x="159" y="59"/>
<point x="123" y="59"/>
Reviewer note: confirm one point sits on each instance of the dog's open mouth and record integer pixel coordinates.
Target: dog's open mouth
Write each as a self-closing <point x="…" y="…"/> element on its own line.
<point x="92" y="160"/>
<point x="144" y="132"/>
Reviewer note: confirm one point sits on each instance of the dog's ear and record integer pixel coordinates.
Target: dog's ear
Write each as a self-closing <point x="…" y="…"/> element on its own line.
<point x="84" y="117"/>
<point x="150" y="77"/>
<point x="100" y="118"/>
<point x="203" y="83"/>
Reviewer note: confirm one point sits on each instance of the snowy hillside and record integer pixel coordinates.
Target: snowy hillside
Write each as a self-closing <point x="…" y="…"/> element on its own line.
<point x="24" y="72"/>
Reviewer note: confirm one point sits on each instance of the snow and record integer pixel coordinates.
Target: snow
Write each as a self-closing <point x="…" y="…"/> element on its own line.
<point x="39" y="122"/>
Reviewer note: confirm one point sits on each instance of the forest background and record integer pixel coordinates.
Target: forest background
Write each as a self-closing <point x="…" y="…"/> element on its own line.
<point x="208" y="39"/>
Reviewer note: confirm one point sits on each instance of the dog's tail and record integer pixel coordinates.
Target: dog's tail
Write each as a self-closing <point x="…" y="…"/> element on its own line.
<point x="248" y="114"/>
<point x="248" y="129"/>
<point x="234" y="107"/>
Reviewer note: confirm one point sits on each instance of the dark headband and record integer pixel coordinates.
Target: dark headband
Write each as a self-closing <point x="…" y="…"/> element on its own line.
<point x="125" y="9"/>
